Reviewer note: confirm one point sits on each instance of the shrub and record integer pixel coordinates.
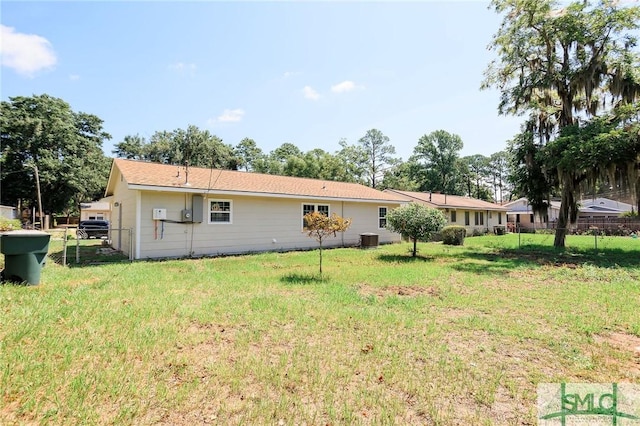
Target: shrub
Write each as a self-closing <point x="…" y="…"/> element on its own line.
<point x="453" y="235"/>
<point x="9" y="224"/>
<point x="415" y="221"/>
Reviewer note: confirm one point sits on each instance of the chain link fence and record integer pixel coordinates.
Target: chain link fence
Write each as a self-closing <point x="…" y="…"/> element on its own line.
<point x="73" y="247"/>
<point x="592" y="238"/>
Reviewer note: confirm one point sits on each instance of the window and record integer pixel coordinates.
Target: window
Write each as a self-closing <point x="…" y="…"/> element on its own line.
<point x="219" y="211"/>
<point x="479" y="218"/>
<point x="382" y="217"/>
<point x="531" y="219"/>
<point x="466" y="218"/>
<point x="310" y="208"/>
<point x="499" y="218"/>
<point x="453" y="216"/>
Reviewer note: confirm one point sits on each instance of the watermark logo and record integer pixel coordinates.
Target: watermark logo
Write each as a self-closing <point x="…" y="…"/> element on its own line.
<point x="591" y="404"/>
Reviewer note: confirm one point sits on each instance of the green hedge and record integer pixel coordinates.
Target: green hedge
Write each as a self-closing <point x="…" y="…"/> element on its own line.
<point x="453" y="235"/>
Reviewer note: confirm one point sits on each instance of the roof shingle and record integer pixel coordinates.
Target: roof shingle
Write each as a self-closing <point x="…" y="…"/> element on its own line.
<point x="449" y="201"/>
<point x="162" y="176"/>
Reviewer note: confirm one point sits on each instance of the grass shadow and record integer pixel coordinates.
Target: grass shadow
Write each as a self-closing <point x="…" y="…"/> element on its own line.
<point x="607" y="257"/>
<point x="304" y="279"/>
<point x="503" y="260"/>
<point x="398" y="258"/>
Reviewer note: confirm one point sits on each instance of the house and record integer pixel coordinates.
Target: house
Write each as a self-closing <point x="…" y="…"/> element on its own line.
<point x="602" y="208"/>
<point x="520" y="215"/>
<point x="8" y="212"/>
<point x="475" y="215"/>
<point x="97" y="210"/>
<point x="177" y="211"/>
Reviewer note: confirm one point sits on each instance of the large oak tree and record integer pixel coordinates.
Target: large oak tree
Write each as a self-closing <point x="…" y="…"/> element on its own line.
<point x="561" y="67"/>
<point x="42" y="133"/>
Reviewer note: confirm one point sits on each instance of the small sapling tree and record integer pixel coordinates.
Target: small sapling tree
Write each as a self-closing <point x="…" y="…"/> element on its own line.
<point x="415" y="221"/>
<point x="320" y="226"/>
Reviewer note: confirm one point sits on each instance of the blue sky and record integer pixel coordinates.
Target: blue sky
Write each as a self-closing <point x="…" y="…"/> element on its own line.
<point x="308" y="73"/>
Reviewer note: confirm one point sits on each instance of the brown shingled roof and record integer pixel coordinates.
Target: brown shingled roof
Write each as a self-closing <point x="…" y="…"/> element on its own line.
<point x="154" y="176"/>
<point x="448" y="201"/>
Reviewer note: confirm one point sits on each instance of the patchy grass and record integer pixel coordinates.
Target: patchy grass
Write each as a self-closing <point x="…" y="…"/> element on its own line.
<point x="459" y="335"/>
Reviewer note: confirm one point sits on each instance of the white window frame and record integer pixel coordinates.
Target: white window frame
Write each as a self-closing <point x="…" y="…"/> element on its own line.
<point x="380" y="217"/>
<point x="220" y="200"/>
<point x="315" y="209"/>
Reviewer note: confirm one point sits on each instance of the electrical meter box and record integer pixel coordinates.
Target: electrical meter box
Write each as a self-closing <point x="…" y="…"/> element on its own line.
<point x="159" y="214"/>
<point x="187" y="215"/>
<point x="197" y="208"/>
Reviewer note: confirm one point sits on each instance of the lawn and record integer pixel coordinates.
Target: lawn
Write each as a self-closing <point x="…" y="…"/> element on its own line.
<point x="459" y="335"/>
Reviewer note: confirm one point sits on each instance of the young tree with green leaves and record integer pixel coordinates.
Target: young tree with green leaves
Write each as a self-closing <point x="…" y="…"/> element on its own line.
<point x="416" y="222"/>
<point x="562" y="65"/>
<point x="320" y="226"/>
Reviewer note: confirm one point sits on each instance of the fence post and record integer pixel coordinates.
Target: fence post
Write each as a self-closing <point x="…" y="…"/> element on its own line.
<point x="595" y="237"/>
<point x="64" y="247"/>
<point x="519" y="245"/>
<point x="77" y="247"/>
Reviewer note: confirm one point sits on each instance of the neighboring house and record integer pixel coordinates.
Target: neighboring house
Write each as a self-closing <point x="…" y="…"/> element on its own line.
<point x="602" y="208"/>
<point x="473" y="214"/>
<point x="520" y="215"/>
<point x="177" y="212"/>
<point x="8" y="212"/>
<point x="97" y="210"/>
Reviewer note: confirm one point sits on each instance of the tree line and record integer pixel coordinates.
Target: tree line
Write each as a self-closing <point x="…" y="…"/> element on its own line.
<point x="436" y="164"/>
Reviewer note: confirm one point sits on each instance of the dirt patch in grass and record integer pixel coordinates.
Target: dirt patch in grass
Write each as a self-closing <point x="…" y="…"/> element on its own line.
<point x="628" y="344"/>
<point x="399" y="290"/>
<point x="622" y="341"/>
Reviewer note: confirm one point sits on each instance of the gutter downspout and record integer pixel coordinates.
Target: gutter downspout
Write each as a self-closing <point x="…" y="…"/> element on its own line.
<point x="342" y="215"/>
<point x="138" y="224"/>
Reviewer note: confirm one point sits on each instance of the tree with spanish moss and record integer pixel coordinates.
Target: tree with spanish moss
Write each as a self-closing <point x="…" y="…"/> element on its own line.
<point x="565" y="68"/>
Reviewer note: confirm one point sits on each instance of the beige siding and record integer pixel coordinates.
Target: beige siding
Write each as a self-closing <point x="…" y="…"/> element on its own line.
<point x="490" y="219"/>
<point x="257" y="224"/>
<point x="123" y="217"/>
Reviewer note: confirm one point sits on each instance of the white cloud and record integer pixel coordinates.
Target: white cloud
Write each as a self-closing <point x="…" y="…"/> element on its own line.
<point x="345" y="86"/>
<point x="310" y="93"/>
<point x="182" y="67"/>
<point x="228" y="116"/>
<point x="289" y="74"/>
<point x="25" y="53"/>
